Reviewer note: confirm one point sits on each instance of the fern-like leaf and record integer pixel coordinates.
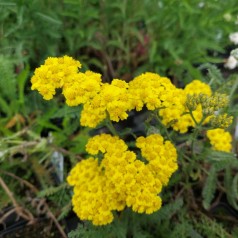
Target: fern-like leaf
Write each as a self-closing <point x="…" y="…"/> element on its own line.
<point x="230" y="183"/>
<point x="213" y="73"/>
<point x="209" y="188"/>
<point x="210" y="228"/>
<point x="51" y="190"/>
<point x="168" y="210"/>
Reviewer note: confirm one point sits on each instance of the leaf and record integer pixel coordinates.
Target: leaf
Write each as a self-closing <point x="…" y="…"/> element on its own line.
<point x="51" y="190"/>
<point x="65" y="211"/>
<point x="153" y="51"/>
<point x="235" y="187"/>
<point x="209" y="188"/>
<point x="221" y="160"/>
<point x="153" y="130"/>
<point x="48" y="18"/>
<point x="213" y="72"/>
<point x="5" y="107"/>
<point x="21" y="80"/>
<point x="67" y="111"/>
<point x="167" y="211"/>
<point x="208" y="227"/>
<point x="231" y="188"/>
<point x="7" y="3"/>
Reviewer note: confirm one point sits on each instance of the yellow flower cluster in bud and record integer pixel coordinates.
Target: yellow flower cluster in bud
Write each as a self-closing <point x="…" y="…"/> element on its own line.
<point x="221" y="121"/>
<point x="210" y="104"/>
<point x="115" y="178"/>
<point x="197" y="99"/>
<point x="220" y="139"/>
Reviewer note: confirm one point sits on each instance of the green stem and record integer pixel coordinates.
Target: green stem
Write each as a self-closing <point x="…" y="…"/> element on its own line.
<point x="195" y="121"/>
<point x="110" y="126"/>
<point x="130" y="216"/>
<point x="197" y="129"/>
<point x="194" y="136"/>
<point x="186" y="157"/>
<point x="165" y="128"/>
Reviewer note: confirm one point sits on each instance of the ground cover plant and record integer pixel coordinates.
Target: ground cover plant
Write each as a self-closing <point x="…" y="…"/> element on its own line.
<point x="117" y="179"/>
<point x="137" y="134"/>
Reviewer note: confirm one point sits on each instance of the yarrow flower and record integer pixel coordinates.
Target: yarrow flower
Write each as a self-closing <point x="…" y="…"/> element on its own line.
<point x="82" y="88"/>
<point x="220" y="139"/>
<point x="151" y="90"/>
<point x="115" y="178"/>
<point x="114" y="101"/>
<point x="176" y="114"/>
<point x="55" y="73"/>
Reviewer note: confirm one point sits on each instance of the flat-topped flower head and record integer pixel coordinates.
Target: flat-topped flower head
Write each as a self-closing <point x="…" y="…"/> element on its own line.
<point x="112" y="100"/>
<point x="151" y="90"/>
<point x="53" y="74"/>
<point x="220" y="139"/>
<point x="82" y="88"/>
<point x="119" y="179"/>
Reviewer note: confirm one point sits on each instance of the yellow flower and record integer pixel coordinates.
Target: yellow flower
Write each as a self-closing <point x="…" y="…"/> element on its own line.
<point x="118" y="179"/>
<point x="176" y="113"/>
<point x="82" y="88"/>
<point x="151" y="90"/>
<point x="55" y="73"/>
<point x="160" y="154"/>
<point x="220" y="139"/>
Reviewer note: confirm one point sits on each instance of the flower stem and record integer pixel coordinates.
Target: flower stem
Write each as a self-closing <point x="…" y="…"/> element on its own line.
<point x="165" y="128"/>
<point x="110" y="126"/>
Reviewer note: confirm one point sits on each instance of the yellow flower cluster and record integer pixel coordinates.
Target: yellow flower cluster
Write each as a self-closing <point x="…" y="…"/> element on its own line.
<point x="160" y="154"/>
<point x="83" y="87"/>
<point x="116" y="178"/>
<point x="220" y="139"/>
<point x="151" y="90"/>
<point x="176" y="114"/>
<point x="112" y="100"/>
<point x="101" y="100"/>
<point x="55" y="73"/>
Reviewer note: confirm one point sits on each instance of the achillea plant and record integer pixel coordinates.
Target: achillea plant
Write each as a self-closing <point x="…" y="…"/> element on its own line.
<point x="120" y="179"/>
<point x="117" y="176"/>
